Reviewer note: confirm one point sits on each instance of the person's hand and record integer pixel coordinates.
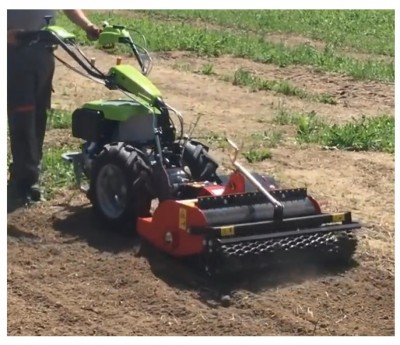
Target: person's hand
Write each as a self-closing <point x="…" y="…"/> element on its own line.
<point x="92" y="32"/>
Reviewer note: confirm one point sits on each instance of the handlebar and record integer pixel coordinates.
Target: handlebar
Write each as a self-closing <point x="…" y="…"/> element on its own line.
<point x="57" y="36"/>
<point x="115" y="34"/>
<point x="110" y="36"/>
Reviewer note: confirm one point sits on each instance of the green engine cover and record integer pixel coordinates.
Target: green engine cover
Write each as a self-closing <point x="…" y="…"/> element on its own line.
<point x="120" y="110"/>
<point x="132" y="80"/>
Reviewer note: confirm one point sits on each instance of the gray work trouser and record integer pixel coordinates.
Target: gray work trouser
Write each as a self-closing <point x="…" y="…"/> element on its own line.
<point x="30" y="72"/>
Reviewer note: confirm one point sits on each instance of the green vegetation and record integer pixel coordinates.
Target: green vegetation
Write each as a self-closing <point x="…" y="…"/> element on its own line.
<point x="255" y="148"/>
<point x="59" y="119"/>
<point x="369" y="31"/>
<point x="257" y="154"/>
<point x="213" y="139"/>
<point x="245" y="78"/>
<point x="365" y="134"/>
<point x="259" y="145"/>
<point x="164" y="36"/>
<point x="56" y="172"/>
<point x="267" y="138"/>
<point x="208" y="69"/>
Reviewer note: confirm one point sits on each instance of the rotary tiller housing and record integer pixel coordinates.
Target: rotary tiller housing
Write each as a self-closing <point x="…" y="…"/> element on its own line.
<point x="233" y="229"/>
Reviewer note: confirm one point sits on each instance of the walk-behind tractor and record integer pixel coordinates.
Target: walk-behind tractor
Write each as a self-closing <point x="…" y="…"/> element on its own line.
<point x="132" y="155"/>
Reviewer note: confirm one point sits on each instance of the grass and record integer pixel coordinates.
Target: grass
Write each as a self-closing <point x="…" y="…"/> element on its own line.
<point x="167" y="36"/>
<point x="257" y="154"/>
<point x="269" y="138"/>
<point x="259" y="145"/>
<point x="208" y="69"/>
<point x="255" y="147"/>
<point x="365" y="134"/>
<point x="214" y="139"/>
<point x="245" y="78"/>
<point x="368" y="31"/>
<point x="56" y="172"/>
<point x="59" y="119"/>
<point x="182" y="66"/>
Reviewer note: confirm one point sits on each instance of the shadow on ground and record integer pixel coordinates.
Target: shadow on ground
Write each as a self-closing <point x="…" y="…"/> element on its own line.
<point x="81" y="222"/>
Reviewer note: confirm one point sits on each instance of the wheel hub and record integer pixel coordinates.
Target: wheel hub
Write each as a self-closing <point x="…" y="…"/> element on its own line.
<point x="112" y="190"/>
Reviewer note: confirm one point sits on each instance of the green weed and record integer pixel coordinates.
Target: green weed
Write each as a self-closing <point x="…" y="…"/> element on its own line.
<point x="243" y="77"/>
<point x="309" y="127"/>
<point x="259" y="144"/>
<point x="326" y="98"/>
<point x="257" y="154"/>
<point x="284" y="117"/>
<point x="56" y="173"/>
<point x="59" y="119"/>
<point x="365" y="134"/>
<point x="214" y="139"/>
<point x="182" y="66"/>
<point x="267" y="138"/>
<point x="208" y="69"/>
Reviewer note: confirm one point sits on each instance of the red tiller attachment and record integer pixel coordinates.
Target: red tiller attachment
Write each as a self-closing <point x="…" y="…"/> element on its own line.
<point x="231" y="227"/>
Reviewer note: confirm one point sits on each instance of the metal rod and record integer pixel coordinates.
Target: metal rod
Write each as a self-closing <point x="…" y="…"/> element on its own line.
<point x="251" y="178"/>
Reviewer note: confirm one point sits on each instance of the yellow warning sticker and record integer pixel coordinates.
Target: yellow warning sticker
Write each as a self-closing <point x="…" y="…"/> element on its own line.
<point x="227" y="231"/>
<point x="182" y="218"/>
<point x="337" y="217"/>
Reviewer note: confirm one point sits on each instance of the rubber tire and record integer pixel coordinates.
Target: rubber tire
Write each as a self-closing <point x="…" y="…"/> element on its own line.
<point x="139" y="190"/>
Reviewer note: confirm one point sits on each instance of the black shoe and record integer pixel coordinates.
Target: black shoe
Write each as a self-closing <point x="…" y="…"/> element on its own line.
<point x="36" y="193"/>
<point x="17" y="197"/>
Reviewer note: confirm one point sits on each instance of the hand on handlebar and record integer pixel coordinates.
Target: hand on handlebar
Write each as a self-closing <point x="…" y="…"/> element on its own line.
<point x="92" y="32"/>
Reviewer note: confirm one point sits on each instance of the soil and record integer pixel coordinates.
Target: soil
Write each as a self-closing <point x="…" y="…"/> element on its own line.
<point x="68" y="276"/>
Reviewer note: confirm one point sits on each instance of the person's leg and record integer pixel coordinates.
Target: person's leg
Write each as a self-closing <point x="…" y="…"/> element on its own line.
<point x="28" y="73"/>
<point x="21" y="121"/>
<point x="46" y="67"/>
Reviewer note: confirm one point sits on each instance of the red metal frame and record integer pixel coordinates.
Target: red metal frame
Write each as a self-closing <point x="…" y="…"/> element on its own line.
<point x="236" y="183"/>
<point x="167" y="228"/>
